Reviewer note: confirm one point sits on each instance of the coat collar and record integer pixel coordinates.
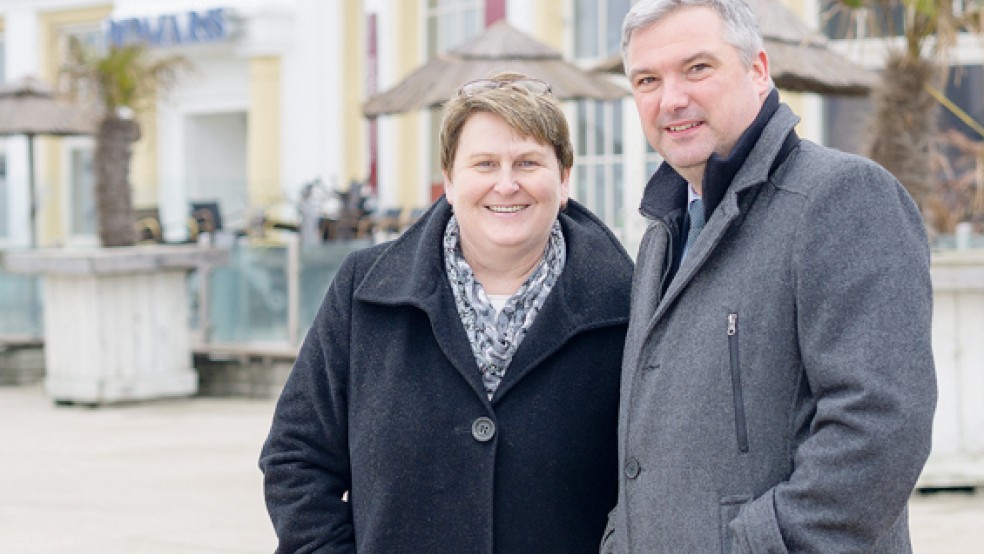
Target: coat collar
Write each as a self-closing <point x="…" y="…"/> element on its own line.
<point x="592" y="291"/>
<point x="776" y="141"/>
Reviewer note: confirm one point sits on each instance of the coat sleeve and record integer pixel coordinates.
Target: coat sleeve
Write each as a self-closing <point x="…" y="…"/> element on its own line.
<point x="864" y="308"/>
<point x="305" y="460"/>
<point x="607" y="545"/>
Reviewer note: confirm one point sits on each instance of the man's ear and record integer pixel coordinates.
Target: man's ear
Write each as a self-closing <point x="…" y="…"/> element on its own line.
<point x="760" y="73"/>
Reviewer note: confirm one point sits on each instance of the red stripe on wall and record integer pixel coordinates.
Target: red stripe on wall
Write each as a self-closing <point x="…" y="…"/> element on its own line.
<point x="494" y="11"/>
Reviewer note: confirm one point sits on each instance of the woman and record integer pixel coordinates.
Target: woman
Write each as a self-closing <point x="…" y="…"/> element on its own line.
<point x="460" y="383"/>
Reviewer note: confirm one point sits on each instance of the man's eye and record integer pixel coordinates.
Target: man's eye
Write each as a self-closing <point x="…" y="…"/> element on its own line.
<point x="699" y="68"/>
<point x="528" y="163"/>
<point x="646" y="83"/>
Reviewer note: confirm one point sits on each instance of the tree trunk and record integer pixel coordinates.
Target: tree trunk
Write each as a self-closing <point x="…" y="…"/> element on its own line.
<point x="904" y="125"/>
<point x="114" y="202"/>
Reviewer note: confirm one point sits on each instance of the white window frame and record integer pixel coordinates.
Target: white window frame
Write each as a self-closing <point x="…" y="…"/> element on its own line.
<point x="68" y="190"/>
<point x="450" y="35"/>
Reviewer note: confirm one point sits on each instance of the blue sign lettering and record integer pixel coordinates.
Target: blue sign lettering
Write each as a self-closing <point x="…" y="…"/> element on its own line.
<point x="170" y="30"/>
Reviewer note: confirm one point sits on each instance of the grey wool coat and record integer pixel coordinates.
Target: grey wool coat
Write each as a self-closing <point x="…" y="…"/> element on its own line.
<point x="778" y="393"/>
<point x="386" y="401"/>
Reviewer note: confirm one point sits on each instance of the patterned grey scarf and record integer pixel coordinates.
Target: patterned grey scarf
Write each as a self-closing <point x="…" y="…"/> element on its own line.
<point x="495" y="337"/>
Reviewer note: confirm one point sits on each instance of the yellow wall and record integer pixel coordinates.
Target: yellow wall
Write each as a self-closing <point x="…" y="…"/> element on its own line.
<point x="354" y="71"/>
<point x="550" y="23"/>
<point x="143" y="165"/>
<point x="409" y="153"/>
<point x="50" y="175"/>
<point x="797" y="101"/>
<point x="263" y="132"/>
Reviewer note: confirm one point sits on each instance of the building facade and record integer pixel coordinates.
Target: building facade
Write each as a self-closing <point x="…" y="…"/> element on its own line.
<point x="271" y="102"/>
<point x="274" y="102"/>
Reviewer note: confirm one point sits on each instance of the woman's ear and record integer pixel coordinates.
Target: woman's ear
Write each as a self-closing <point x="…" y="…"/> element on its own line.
<point x="448" y="188"/>
<point x="565" y="187"/>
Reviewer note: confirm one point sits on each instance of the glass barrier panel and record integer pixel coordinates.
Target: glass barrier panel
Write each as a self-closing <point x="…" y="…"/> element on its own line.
<point x="318" y="265"/>
<point x="20" y="304"/>
<point x="248" y="297"/>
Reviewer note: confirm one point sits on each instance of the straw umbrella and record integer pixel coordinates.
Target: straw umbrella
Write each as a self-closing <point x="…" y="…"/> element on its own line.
<point x="29" y="107"/>
<point x="799" y="59"/>
<point x="500" y="48"/>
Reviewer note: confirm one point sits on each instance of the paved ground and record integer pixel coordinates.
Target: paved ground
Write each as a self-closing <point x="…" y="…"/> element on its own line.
<point x="179" y="476"/>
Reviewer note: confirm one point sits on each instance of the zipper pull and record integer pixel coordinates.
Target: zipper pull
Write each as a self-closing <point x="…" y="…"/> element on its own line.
<point x="732" y="324"/>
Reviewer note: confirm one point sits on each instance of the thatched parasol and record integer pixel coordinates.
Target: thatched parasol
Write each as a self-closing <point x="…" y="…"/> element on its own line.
<point x="799" y="59"/>
<point x="500" y="48"/>
<point x="29" y="107"/>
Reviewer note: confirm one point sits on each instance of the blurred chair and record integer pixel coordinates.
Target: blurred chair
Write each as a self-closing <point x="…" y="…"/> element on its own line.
<point x="148" y="225"/>
<point x="207" y="216"/>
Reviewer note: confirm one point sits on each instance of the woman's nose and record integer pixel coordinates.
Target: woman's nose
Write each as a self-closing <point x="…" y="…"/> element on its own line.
<point x="506" y="182"/>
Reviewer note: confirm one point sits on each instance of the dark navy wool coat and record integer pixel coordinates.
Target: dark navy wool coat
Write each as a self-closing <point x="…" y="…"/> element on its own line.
<point x="386" y="401"/>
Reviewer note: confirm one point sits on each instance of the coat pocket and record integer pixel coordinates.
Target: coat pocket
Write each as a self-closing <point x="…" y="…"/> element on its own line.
<point x="728" y="511"/>
<point x="741" y="426"/>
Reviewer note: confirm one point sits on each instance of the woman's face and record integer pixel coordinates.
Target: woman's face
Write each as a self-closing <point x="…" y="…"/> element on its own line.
<point x="506" y="189"/>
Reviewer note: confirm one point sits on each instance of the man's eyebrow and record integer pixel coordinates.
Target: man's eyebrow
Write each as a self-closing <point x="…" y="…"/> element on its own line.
<point x="703" y="54"/>
<point x="698" y="55"/>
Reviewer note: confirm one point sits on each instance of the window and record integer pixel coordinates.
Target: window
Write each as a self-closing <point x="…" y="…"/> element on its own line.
<point x="79" y="152"/>
<point x="598" y="173"/>
<point x="4" y="204"/>
<point x="452" y="22"/>
<point x="3" y="55"/>
<point x="599" y="161"/>
<point x="4" y="194"/>
<point x="876" y="21"/>
<point x="598" y="27"/>
<point x="82" y="183"/>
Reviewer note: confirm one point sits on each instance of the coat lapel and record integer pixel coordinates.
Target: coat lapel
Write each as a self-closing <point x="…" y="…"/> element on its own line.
<point x="579" y="301"/>
<point x="411" y="273"/>
<point x="753" y="173"/>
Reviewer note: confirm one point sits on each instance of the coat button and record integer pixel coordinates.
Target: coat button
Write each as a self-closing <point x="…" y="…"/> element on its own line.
<point x="483" y="429"/>
<point x="632" y="468"/>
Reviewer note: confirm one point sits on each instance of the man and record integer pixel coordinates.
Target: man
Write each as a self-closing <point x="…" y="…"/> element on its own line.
<point x="778" y="384"/>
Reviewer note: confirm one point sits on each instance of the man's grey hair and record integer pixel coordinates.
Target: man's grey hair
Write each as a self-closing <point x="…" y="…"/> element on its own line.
<point x="741" y="28"/>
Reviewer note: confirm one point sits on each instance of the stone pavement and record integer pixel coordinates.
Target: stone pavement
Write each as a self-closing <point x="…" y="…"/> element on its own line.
<point x="180" y="476"/>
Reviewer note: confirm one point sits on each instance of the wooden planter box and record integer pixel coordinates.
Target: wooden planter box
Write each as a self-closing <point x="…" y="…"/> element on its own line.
<point x="116" y="320"/>
<point x="957" y="459"/>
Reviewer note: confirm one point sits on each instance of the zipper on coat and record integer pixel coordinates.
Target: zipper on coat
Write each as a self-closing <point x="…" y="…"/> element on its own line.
<point x="741" y="427"/>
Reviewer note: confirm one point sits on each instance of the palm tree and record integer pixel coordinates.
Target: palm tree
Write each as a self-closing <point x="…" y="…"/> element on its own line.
<point x="124" y="81"/>
<point x="906" y="101"/>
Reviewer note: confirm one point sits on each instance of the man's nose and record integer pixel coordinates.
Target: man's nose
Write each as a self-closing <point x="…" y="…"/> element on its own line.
<point x="674" y="96"/>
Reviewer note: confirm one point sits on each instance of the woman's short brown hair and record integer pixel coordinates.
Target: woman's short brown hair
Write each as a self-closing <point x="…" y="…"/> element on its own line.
<point x="531" y="114"/>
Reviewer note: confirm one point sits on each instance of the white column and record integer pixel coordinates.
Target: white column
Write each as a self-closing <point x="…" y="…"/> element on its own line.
<point x="389" y="174"/>
<point x="636" y="177"/>
<point x="20" y="60"/>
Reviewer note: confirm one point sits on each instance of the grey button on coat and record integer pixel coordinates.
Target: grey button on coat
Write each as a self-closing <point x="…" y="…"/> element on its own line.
<point x="778" y="394"/>
<point x="386" y="401"/>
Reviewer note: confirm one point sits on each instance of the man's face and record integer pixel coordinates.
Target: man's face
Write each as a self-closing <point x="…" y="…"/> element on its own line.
<point x="694" y="95"/>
